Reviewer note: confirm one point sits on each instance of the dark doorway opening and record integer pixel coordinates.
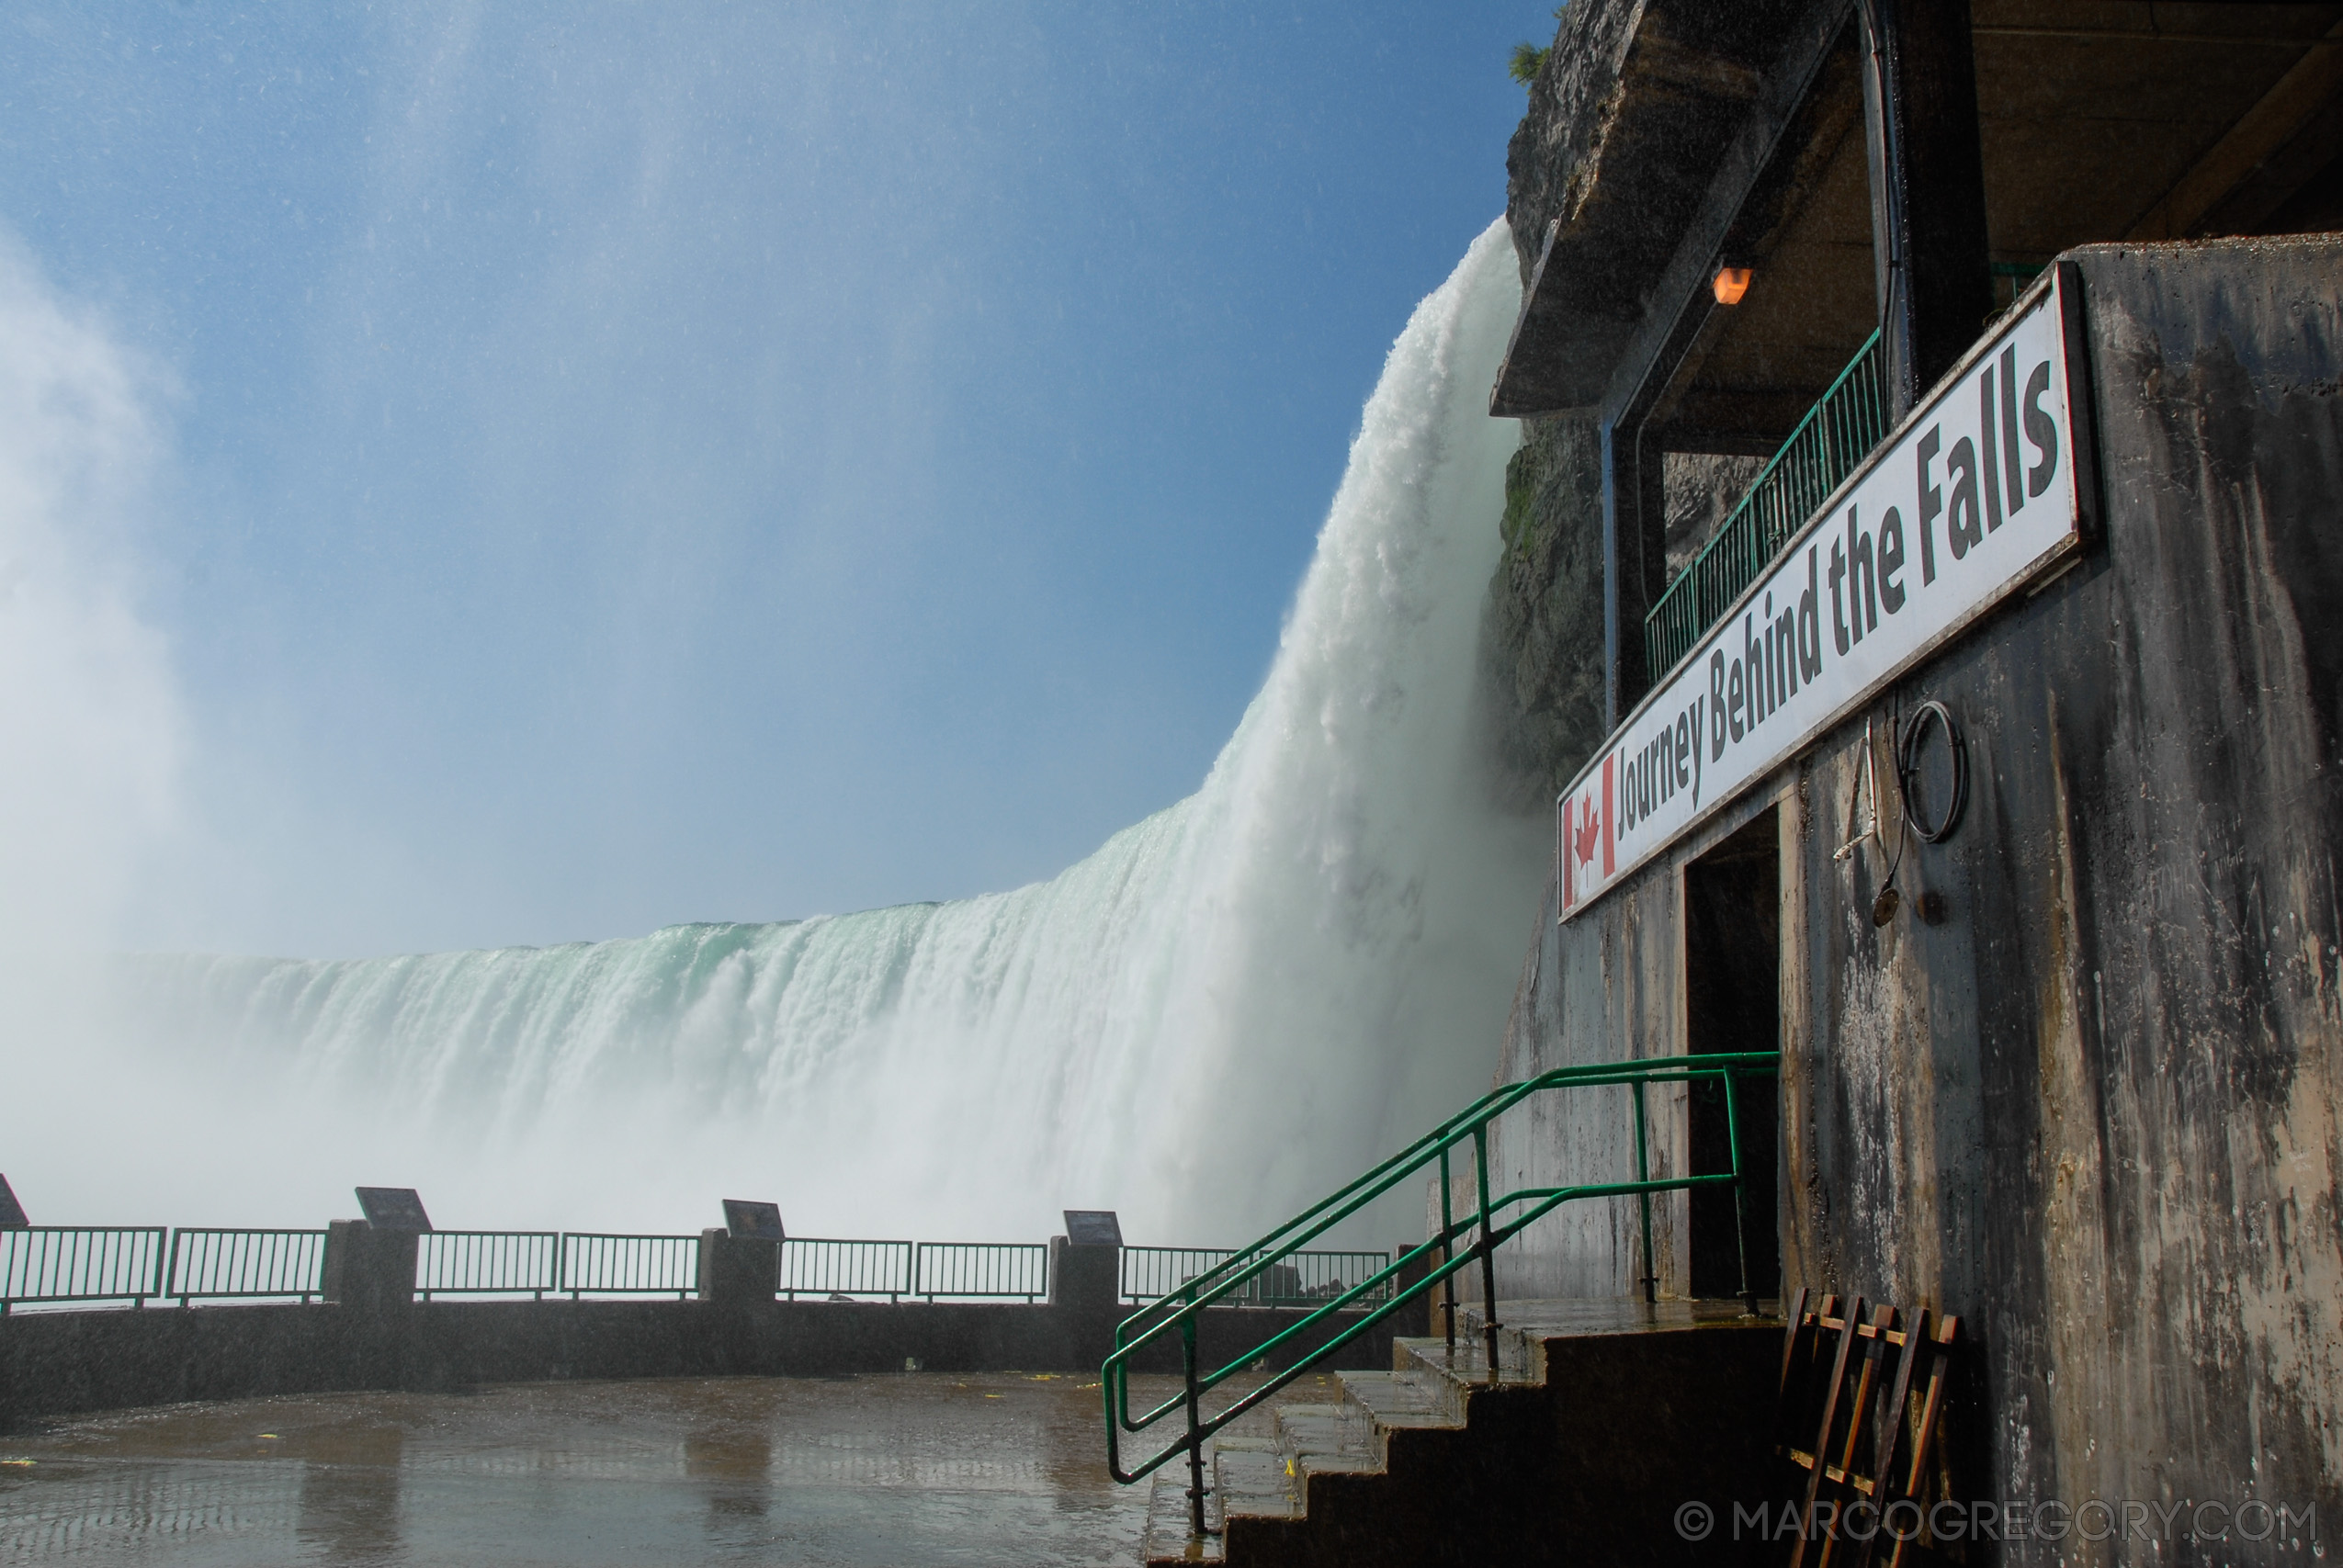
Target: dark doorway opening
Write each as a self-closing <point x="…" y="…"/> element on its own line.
<point x="1733" y="995"/>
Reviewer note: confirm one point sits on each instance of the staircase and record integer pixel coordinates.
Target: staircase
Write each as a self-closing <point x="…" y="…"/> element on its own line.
<point x="1604" y="1419"/>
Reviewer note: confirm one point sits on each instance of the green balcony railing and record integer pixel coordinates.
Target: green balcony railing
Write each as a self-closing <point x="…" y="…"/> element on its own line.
<point x="1830" y="443"/>
<point x="1495" y="1218"/>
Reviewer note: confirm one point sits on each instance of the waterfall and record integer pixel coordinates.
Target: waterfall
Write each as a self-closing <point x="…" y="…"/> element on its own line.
<point x="1226" y="1010"/>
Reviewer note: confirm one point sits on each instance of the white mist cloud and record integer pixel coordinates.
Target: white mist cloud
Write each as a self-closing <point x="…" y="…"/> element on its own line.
<point x="1224" y="1013"/>
<point x="91" y="728"/>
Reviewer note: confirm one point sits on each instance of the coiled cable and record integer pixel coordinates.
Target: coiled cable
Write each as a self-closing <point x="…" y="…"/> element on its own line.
<point x="1908" y="748"/>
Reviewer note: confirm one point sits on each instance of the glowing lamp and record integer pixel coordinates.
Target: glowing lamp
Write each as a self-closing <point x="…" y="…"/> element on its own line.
<point x="1732" y="282"/>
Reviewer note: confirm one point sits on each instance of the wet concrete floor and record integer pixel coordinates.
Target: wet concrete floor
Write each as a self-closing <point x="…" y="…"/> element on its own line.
<point x="885" y="1471"/>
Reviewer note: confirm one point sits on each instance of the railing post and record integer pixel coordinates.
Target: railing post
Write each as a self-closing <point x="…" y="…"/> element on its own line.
<point x="1490" y="1324"/>
<point x="1740" y="1191"/>
<point x="1642" y="1200"/>
<point x="1196" y="1417"/>
<point x="1447" y="1252"/>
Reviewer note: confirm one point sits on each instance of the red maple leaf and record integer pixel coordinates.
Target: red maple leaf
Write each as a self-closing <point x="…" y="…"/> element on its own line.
<point x="1587" y="837"/>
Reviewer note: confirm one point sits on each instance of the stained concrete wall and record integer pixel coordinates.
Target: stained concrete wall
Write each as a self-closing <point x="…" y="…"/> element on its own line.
<point x="2088" y="1091"/>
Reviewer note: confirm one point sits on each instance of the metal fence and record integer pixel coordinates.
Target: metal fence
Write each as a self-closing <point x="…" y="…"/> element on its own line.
<point x="488" y="1263"/>
<point x="817" y="1266"/>
<point x="217" y="1264"/>
<point x="134" y="1264"/>
<point x="81" y="1263"/>
<point x="1297" y="1279"/>
<point x="988" y="1269"/>
<point x="1830" y="443"/>
<point x="599" y="1265"/>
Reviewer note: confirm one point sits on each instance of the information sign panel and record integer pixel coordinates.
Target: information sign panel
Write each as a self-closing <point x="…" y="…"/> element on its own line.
<point x="1979" y="492"/>
<point x="1093" y="1227"/>
<point x="756" y="1222"/>
<point x="393" y="1208"/>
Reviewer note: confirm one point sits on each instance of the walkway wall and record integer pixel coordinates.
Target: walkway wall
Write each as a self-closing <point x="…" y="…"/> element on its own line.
<point x="54" y="1363"/>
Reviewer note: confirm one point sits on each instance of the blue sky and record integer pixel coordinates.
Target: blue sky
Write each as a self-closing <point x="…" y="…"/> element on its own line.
<point x="648" y="463"/>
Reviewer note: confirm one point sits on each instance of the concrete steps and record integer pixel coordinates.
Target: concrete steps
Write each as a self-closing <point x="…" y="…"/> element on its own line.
<point x="1436" y="1462"/>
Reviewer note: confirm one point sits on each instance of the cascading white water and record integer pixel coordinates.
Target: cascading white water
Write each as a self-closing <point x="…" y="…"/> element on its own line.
<point x="1226" y="1010"/>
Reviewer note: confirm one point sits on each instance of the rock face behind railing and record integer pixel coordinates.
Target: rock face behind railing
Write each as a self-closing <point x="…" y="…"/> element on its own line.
<point x="370" y="1334"/>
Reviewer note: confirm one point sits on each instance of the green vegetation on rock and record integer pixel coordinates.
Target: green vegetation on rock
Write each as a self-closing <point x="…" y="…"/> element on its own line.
<point x="1529" y="59"/>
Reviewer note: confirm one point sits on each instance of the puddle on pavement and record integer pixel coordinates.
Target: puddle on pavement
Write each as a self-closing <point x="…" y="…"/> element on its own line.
<point x="884" y="1471"/>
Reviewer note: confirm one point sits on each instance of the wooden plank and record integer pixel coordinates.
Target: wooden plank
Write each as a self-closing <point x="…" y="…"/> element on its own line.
<point x="1822" y="1437"/>
<point x="1941" y="1358"/>
<point x="1866" y="1391"/>
<point x="1915" y="1341"/>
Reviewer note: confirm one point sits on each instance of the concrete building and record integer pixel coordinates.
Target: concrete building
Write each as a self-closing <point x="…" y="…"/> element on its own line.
<point x="1924" y="595"/>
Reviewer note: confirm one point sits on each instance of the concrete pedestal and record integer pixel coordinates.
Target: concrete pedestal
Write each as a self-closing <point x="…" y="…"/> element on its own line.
<point x="738" y="1270"/>
<point x="369" y="1271"/>
<point x="1085" y="1287"/>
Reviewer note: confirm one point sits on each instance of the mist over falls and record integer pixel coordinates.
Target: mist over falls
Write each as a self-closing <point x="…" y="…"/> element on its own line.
<point x="1226" y="1010"/>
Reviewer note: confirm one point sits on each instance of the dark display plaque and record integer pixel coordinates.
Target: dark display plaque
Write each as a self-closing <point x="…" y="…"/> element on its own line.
<point x="393" y="1208"/>
<point x="757" y="1222"/>
<point x="1093" y="1227"/>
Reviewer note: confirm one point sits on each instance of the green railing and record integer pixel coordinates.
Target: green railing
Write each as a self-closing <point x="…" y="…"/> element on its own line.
<point x="488" y="1263"/>
<point x="81" y="1263"/>
<point x="983" y="1269"/>
<point x="833" y="1265"/>
<point x="1830" y="443"/>
<point x="211" y="1264"/>
<point x="607" y="1264"/>
<point x="1490" y="1225"/>
<point x="1150" y="1273"/>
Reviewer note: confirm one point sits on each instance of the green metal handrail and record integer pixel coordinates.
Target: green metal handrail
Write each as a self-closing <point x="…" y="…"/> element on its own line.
<point x="1392" y="1288"/>
<point x="1830" y="443"/>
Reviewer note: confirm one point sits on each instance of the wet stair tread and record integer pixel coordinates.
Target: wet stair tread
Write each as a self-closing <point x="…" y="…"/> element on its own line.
<point x="1328" y="1438"/>
<point x="1468" y="1364"/>
<point x="1251" y="1476"/>
<point x="1402" y="1400"/>
<point x="1168" y="1540"/>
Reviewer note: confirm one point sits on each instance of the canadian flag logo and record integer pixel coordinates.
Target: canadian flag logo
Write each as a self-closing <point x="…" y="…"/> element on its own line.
<point x="1589" y="847"/>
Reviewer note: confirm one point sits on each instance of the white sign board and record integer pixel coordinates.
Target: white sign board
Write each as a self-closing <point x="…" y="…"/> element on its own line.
<point x="1977" y="493"/>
